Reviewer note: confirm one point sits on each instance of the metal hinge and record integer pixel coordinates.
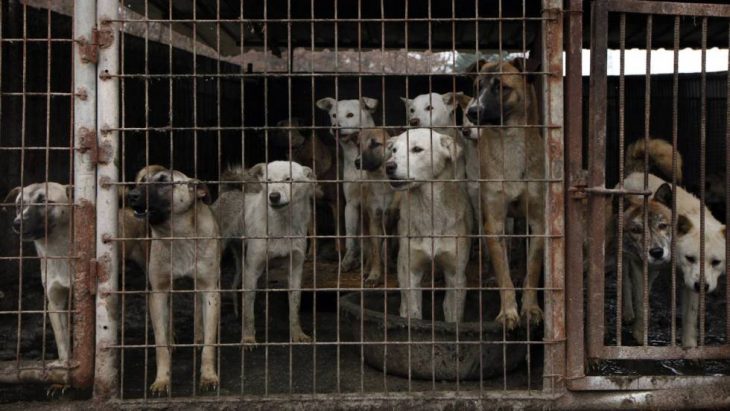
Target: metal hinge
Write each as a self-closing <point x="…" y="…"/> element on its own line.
<point x="101" y="39"/>
<point x="88" y="143"/>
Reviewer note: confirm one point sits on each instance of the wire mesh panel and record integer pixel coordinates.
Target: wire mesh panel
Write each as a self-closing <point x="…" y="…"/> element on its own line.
<point x="47" y="310"/>
<point x="656" y="287"/>
<point x="330" y="197"/>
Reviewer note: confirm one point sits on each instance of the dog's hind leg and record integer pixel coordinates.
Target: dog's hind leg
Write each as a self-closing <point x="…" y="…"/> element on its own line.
<point x="690" y="311"/>
<point x="236" y="284"/>
<point x="531" y="311"/>
<point x="627" y="300"/>
<point x="494" y="220"/>
<point x="295" y="298"/>
<point x="253" y="266"/>
<point x="352" y="218"/>
<point x="57" y="302"/>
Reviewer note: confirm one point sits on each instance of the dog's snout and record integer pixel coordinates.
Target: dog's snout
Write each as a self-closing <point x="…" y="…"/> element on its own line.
<point x="414" y="122"/>
<point x="275" y="197"/>
<point x="697" y="287"/>
<point x="656" y="252"/>
<point x="466" y="132"/>
<point x="134" y="196"/>
<point x="390" y="167"/>
<point x="357" y="162"/>
<point x="16" y="225"/>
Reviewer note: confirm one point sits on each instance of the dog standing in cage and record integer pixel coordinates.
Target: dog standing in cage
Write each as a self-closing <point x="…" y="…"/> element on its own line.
<point x="435" y="218"/>
<point x="513" y="150"/>
<point x="176" y="207"/>
<point x="379" y="200"/>
<point x="348" y="118"/>
<point x="276" y="222"/>
<point x="43" y="216"/>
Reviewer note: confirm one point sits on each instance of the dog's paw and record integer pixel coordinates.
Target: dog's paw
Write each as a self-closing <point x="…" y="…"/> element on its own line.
<point x="509" y="318"/>
<point x="373" y="280"/>
<point x="532" y="314"/>
<point x="209" y="382"/>
<point x="56" y="391"/>
<point x="637" y="331"/>
<point x="160" y="387"/>
<point x="58" y="364"/>
<point x="249" y="342"/>
<point x="628" y="316"/>
<point x="300" y="336"/>
<point x="349" y="262"/>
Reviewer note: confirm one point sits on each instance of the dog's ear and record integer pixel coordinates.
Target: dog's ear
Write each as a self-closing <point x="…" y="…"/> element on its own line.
<point x="326" y="103"/>
<point x="664" y="195"/>
<point x="308" y="173"/>
<point x="201" y="192"/>
<point x="13" y="195"/>
<point x="148" y="171"/>
<point x="473" y="69"/>
<point x="464" y="100"/>
<point x="257" y="171"/>
<point x="683" y="225"/>
<point x="528" y="66"/>
<point x="406" y="101"/>
<point x="453" y="149"/>
<point x="451" y="98"/>
<point x="370" y="104"/>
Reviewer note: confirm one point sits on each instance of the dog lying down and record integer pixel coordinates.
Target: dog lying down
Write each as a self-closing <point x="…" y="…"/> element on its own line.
<point x="275" y="218"/>
<point x="427" y="211"/>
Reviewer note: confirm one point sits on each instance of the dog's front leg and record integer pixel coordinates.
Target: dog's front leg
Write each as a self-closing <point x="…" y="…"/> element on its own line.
<point x="627" y="300"/>
<point x="211" y="302"/>
<point x="494" y="220"/>
<point x="455" y="294"/>
<point x="531" y="311"/>
<point x="637" y="282"/>
<point x="352" y="219"/>
<point x="57" y="302"/>
<point x="160" y="316"/>
<point x="253" y="266"/>
<point x="409" y="282"/>
<point x="375" y="228"/>
<point x="295" y="297"/>
<point x="690" y="312"/>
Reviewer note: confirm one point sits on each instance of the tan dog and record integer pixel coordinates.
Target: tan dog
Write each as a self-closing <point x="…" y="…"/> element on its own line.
<point x="378" y="198"/>
<point x="510" y="153"/>
<point x="659" y="155"/>
<point x="176" y="205"/>
<point x="43" y="216"/>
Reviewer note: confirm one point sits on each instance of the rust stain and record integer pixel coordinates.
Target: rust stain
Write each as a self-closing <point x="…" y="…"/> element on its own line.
<point x="83" y="300"/>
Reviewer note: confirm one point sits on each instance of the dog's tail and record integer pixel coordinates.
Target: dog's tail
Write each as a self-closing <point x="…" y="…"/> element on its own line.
<point x="235" y="177"/>
<point x="659" y="153"/>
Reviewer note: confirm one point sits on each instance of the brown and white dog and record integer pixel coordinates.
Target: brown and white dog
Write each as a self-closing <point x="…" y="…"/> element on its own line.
<point x="505" y="97"/>
<point x="378" y="198"/>
<point x="176" y="205"/>
<point x="43" y="216"/>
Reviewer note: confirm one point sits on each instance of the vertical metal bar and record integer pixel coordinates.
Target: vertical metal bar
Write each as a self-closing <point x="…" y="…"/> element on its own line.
<point x="727" y="190"/>
<point x="675" y="128"/>
<point x="552" y="61"/>
<point x="106" y="375"/>
<point x="574" y="235"/>
<point x="618" y="240"/>
<point x="596" y="175"/>
<point x="703" y="170"/>
<point x="84" y="84"/>
<point x="645" y="217"/>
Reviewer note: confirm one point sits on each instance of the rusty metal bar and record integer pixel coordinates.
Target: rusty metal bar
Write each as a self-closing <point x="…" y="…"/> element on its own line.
<point x="84" y="83"/>
<point x="552" y="60"/>
<point x="596" y="176"/>
<point x="574" y="176"/>
<point x="19" y="372"/>
<point x="648" y="352"/>
<point x="670" y="8"/>
<point x="106" y="372"/>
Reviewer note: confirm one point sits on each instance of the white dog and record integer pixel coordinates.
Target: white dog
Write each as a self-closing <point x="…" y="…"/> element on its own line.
<point x="429" y="211"/>
<point x="688" y="251"/>
<point x="276" y="222"/>
<point x="348" y="117"/>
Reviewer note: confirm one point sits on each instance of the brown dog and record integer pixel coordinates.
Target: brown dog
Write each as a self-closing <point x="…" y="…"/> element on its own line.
<point x="378" y="198"/>
<point x="176" y="205"/>
<point x="506" y="98"/>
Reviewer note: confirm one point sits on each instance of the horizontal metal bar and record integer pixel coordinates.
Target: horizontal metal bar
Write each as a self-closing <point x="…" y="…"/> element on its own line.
<point x="165" y="129"/>
<point x="338" y="343"/>
<point x="616" y="191"/>
<point x="380" y="289"/>
<point x="358" y="236"/>
<point x="653" y="382"/>
<point x="307" y="74"/>
<point x="669" y="8"/>
<point x="663" y="353"/>
<point x="38" y="148"/>
<point x="13" y="372"/>
<point x="331" y="20"/>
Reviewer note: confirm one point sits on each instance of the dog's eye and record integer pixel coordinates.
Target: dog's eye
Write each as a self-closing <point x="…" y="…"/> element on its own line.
<point x="375" y="143"/>
<point x="413" y="111"/>
<point x="287" y="179"/>
<point x="429" y="108"/>
<point x="637" y="229"/>
<point x="334" y="115"/>
<point x="40" y="199"/>
<point x="417" y="149"/>
<point x="663" y="226"/>
<point x="715" y="263"/>
<point x="393" y="149"/>
<point x="350" y="115"/>
<point x="691" y="259"/>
